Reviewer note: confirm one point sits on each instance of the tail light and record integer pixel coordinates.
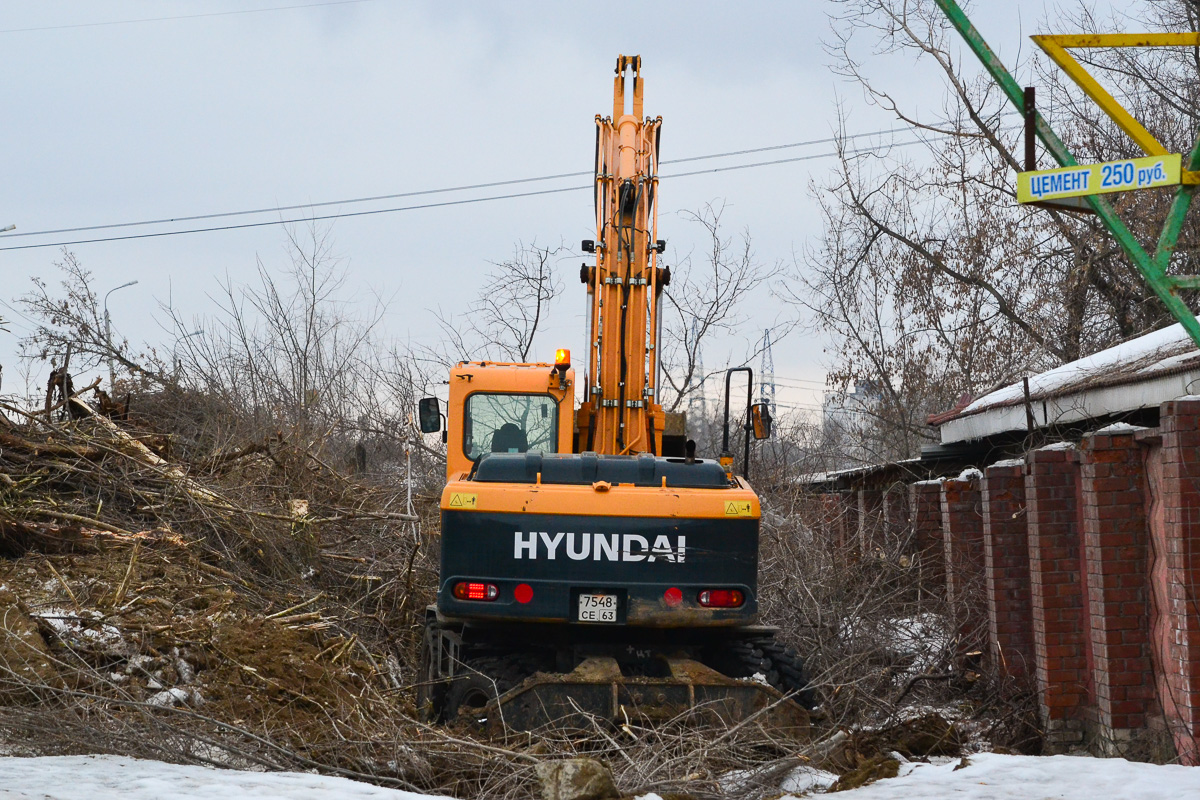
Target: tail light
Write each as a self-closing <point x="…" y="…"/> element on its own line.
<point x="721" y="598"/>
<point x="475" y="591"/>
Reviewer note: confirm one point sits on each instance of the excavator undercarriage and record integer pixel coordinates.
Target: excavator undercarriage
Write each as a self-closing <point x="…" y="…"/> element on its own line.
<point x="494" y="685"/>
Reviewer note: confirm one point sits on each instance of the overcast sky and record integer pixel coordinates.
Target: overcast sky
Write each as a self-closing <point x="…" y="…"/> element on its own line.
<point x="108" y="119"/>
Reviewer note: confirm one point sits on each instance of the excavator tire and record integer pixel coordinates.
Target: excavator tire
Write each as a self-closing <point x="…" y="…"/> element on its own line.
<point x="787" y="673"/>
<point x="467" y="696"/>
<point x="431" y="693"/>
<point x="779" y="664"/>
<point x="483" y="680"/>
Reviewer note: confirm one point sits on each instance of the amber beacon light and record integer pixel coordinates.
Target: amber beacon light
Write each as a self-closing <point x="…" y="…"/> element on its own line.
<point x="562" y="358"/>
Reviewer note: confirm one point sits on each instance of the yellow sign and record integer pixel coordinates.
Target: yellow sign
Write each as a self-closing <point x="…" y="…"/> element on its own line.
<point x="1150" y="172"/>
<point x="463" y="500"/>
<point x="738" y="509"/>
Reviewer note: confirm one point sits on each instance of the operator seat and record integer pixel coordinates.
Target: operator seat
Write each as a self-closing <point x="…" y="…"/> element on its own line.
<point x="509" y="439"/>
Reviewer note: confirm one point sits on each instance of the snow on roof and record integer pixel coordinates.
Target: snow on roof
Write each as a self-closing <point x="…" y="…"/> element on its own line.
<point x="808" y="478"/>
<point x="1169" y="348"/>
<point x="1141" y="373"/>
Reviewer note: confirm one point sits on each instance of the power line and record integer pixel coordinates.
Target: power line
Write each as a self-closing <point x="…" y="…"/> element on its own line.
<point x="181" y="16"/>
<point x="800" y="380"/>
<point x="445" y="190"/>
<point x="244" y="225"/>
<point x="467" y="201"/>
<point x="827" y="140"/>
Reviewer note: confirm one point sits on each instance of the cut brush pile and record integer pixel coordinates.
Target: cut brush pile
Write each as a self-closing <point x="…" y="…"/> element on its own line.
<point x="251" y="606"/>
<point x="237" y="600"/>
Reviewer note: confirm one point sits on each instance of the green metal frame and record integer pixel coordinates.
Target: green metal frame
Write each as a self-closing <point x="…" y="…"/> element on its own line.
<point x="1153" y="267"/>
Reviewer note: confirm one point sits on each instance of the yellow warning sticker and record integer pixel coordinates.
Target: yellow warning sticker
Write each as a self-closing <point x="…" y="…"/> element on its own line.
<point x="739" y="508"/>
<point x="463" y="500"/>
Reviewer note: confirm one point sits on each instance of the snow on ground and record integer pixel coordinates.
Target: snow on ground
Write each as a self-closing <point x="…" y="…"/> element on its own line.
<point x="991" y="776"/>
<point x="987" y="776"/>
<point x="119" y="778"/>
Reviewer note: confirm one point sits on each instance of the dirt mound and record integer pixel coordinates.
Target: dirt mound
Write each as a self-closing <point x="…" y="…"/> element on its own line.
<point x="157" y="627"/>
<point x="23" y="653"/>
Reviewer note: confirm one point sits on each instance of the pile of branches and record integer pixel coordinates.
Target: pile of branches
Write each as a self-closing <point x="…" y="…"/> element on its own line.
<point x="248" y="603"/>
<point x="267" y="510"/>
<point x="135" y="555"/>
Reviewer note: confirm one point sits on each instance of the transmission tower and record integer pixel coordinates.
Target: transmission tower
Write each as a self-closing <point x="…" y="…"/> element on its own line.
<point x="766" y="374"/>
<point x="698" y="401"/>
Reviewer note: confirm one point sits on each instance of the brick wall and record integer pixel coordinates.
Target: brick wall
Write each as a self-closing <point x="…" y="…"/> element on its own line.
<point x="1116" y="556"/>
<point x="1078" y="569"/>
<point x="1056" y="593"/>
<point x="870" y="519"/>
<point x="1006" y="567"/>
<point x="925" y="513"/>
<point x="895" y="513"/>
<point x="837" y="514"/>
<point x="848" y="528"/>
<point x="962" y="537"/>
<point x="1180" y="499"/>
<point x="828" y="516"/>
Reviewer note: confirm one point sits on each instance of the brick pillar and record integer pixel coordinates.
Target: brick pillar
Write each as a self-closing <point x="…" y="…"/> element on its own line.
<point x="1180" y="498"/>
<point x="1006" y="565"/>
<point x="828" y="511"/>
<point x="962" y="536"/>
<point x="1116" y="552"/>
<point x="925" y="513"/>
<point x="870" y="520"/>
<point x="1057" y="599"/>
<point x="895" y="515"/>
<point x="848" y="520"/>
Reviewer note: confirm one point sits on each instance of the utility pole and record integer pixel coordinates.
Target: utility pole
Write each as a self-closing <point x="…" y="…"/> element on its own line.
<point x="112" y="373"/>
<point x="766" y="374"/>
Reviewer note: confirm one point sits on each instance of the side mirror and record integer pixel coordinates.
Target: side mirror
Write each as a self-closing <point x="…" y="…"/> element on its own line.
<point x="760" y="416"/>
<point x="429" y="414"/>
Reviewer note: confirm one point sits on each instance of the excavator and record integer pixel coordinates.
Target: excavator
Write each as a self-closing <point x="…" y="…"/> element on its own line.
<point x="591" y="565"/>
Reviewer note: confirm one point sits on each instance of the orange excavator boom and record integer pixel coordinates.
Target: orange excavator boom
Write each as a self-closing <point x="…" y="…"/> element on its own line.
<point x="620" y="414"/>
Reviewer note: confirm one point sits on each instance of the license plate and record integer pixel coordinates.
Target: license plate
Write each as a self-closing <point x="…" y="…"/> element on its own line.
<point x="597" y="608"/>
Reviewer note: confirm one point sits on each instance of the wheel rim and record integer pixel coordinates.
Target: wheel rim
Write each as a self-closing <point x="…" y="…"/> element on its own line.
<point x="475" y="698"/>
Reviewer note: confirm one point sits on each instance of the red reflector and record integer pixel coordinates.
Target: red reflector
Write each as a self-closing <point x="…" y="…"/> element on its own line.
<point x="721" y="598"/>
<point x="475" y="591"/>
<point x="672" y="597"/>
<point x="523" y="593"/>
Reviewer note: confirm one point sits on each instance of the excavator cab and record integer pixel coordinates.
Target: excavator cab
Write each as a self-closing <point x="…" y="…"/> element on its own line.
<point x="504" y="408"/>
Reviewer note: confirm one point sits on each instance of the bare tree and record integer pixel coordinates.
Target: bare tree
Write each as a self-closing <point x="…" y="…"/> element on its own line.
<point x="707" y="298"/>
<point x="931" y="280"/>
<point x="75" y="318"/>
<point x="292" y="347"/>
<point x="503" y="321"/>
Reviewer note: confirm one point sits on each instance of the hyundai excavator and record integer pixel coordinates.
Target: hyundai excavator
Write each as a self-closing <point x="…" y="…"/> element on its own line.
<point x="591" y="564"/>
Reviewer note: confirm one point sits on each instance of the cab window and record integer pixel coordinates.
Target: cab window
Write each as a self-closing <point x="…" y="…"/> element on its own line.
<point x="509" y="423"/>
